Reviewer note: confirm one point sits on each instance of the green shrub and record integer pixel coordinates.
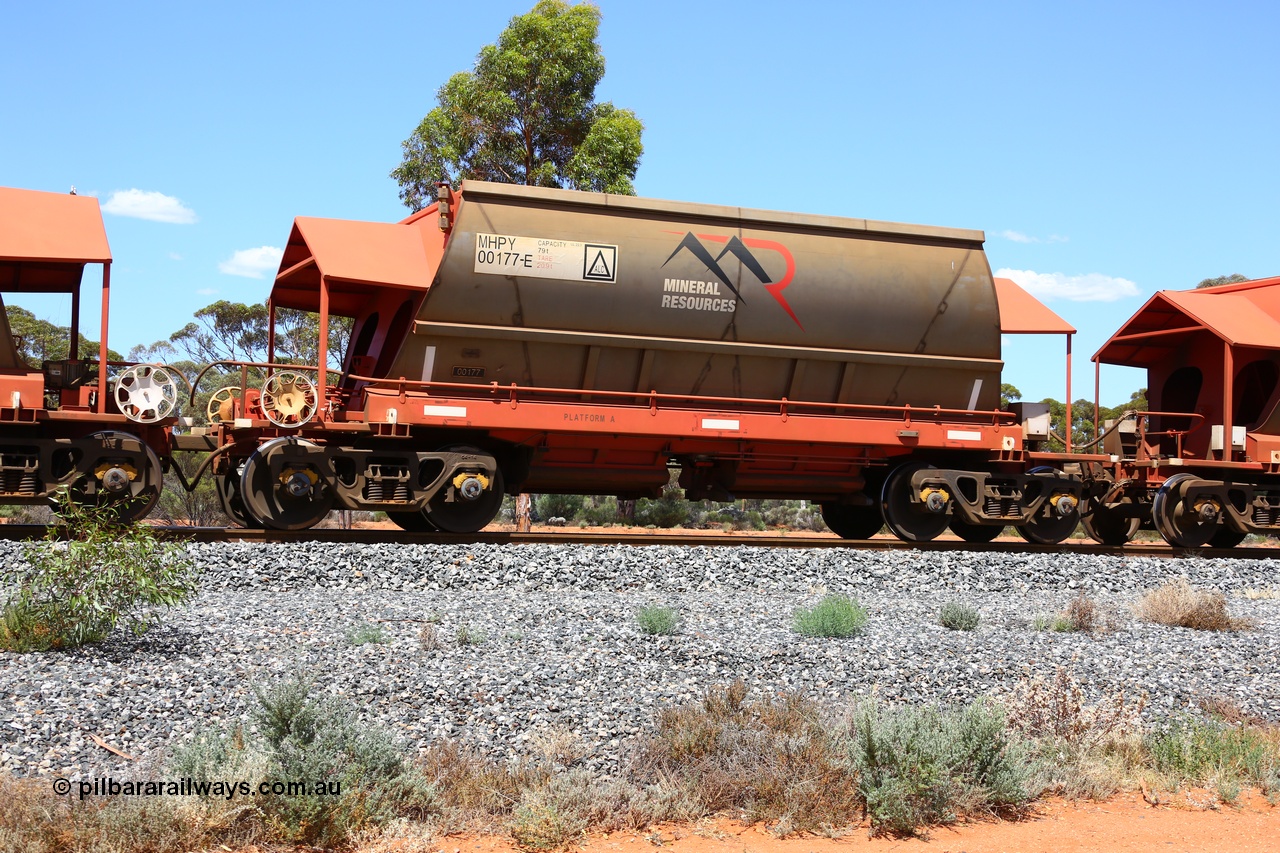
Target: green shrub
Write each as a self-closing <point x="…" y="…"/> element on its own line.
<point x="106" y="574"/>
<point x="562" y="506"/>
<point x="316" y="741"/>
<point x="1201" y="752"/>
<point x="923" y="766"/>
<point x="658" y="620"/>
<point x="834" y="616"/>
<point x="1057" y="622"/>
<point x="958" y="617"/>
<point x="366" y="632"/>
<point x="468" y="636"/>
<point x="666" y="512"/>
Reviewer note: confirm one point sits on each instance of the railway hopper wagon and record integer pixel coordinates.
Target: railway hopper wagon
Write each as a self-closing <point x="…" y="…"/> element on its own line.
<point x="513" y="339"/>
<point x="77" y="423"/>
<point x="1203" y="468"/>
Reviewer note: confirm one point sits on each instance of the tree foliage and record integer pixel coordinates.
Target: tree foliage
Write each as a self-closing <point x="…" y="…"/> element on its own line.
<point x="70" y="593"/>
<point x="233" y="331"/>
<point x="40" y="340"/>
<point x="527" y="114"/>
<point x="1234" y="278"/>
<point x="1082" y="417"/>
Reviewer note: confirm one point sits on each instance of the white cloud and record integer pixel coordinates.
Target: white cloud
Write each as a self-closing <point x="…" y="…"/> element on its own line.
<point x="174" y="256"/>
<point x="207" y="291"/>
<point x="1019" y="237"/>
<point x="253" y="263"/>
<point x="1093" y="287"/>
<point x="141" y="204"/>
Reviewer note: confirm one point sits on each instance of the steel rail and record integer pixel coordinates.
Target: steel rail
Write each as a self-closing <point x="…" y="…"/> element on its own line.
<point x="692" y="540"/>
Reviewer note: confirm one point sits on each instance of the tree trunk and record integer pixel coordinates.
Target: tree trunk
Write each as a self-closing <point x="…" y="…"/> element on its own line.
<point x="524" y="505"/>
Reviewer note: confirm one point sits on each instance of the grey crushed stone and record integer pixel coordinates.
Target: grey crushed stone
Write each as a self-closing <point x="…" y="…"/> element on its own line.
<point x="562" y="652"/>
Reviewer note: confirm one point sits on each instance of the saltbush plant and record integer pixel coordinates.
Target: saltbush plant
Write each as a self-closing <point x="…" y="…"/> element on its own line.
<point x="922" y="766"/>
<point x="659" y="621"/>
<point x="958" y="616"/>
<point x="834" y="616"/>
<point x="104" y="574"/>
<point x="367" y="632"/>
<point x="298" y="737"/>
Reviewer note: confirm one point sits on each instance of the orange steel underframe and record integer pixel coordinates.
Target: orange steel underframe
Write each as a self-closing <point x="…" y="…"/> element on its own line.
<point x="691" y="424"/>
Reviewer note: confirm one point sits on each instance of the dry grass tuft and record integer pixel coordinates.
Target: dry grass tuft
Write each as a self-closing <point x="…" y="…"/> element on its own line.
<point x="32" y="820"/>
<point x="1057" y="709"/>
<point x="766" y="760"/>
<point x="1084" y="750"/>
<point x="476" y="792"/>
<point x="1179" y="604"/>
<point x="1229" y="712"/>
<point x="1082" y="613"/>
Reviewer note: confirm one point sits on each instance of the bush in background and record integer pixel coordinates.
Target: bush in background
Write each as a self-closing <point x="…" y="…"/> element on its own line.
<point x="670" y="510"/>
<point x="561" y="506"/>
<point x="105" y="574"/>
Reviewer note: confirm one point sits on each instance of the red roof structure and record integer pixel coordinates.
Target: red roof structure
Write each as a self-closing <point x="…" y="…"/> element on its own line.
<point x="1023" y="314"/>
<point x="1241" y="315"/>
<point x="47" y="238"/>
<point x="350" y="257"/>
<point x="1210" y="350"/>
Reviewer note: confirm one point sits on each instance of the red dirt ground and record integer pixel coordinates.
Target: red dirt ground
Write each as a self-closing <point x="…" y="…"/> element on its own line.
<point x="1126" y="823"/>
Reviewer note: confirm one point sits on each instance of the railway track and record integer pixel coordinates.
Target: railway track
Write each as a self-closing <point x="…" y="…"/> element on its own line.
<point x="370" y="536"/>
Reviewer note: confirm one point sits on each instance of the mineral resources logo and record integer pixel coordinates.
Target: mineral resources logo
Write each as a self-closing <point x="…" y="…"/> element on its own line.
<point x="699" y="295"/>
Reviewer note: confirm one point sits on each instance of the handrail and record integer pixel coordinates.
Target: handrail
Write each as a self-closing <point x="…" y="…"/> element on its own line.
<point x="1134" y="413"/>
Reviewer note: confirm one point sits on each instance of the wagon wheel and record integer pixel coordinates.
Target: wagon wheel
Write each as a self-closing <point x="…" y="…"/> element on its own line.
<point x="229" y="497"/>
<point x="1109" y="527"/>
<point x="289" y="399"/>
<point x="474" y="505"/>
<point x="125" y="473"/>
<point x="1178" y="522"/>
<point x="295" y="499"/>
<point x="974" y="532"/>
<point x="222" y="405"/>
<point x="1048" y="526"/>
<point x="146" y="393"/>
<point x="411" y="522"/>
<point x="1226" y="538"/>
<point x="908" y="520"/>
<point x="852" y="522"/>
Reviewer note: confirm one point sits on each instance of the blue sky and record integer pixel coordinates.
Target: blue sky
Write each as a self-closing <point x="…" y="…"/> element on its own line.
<point x="1108" y="150"/>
